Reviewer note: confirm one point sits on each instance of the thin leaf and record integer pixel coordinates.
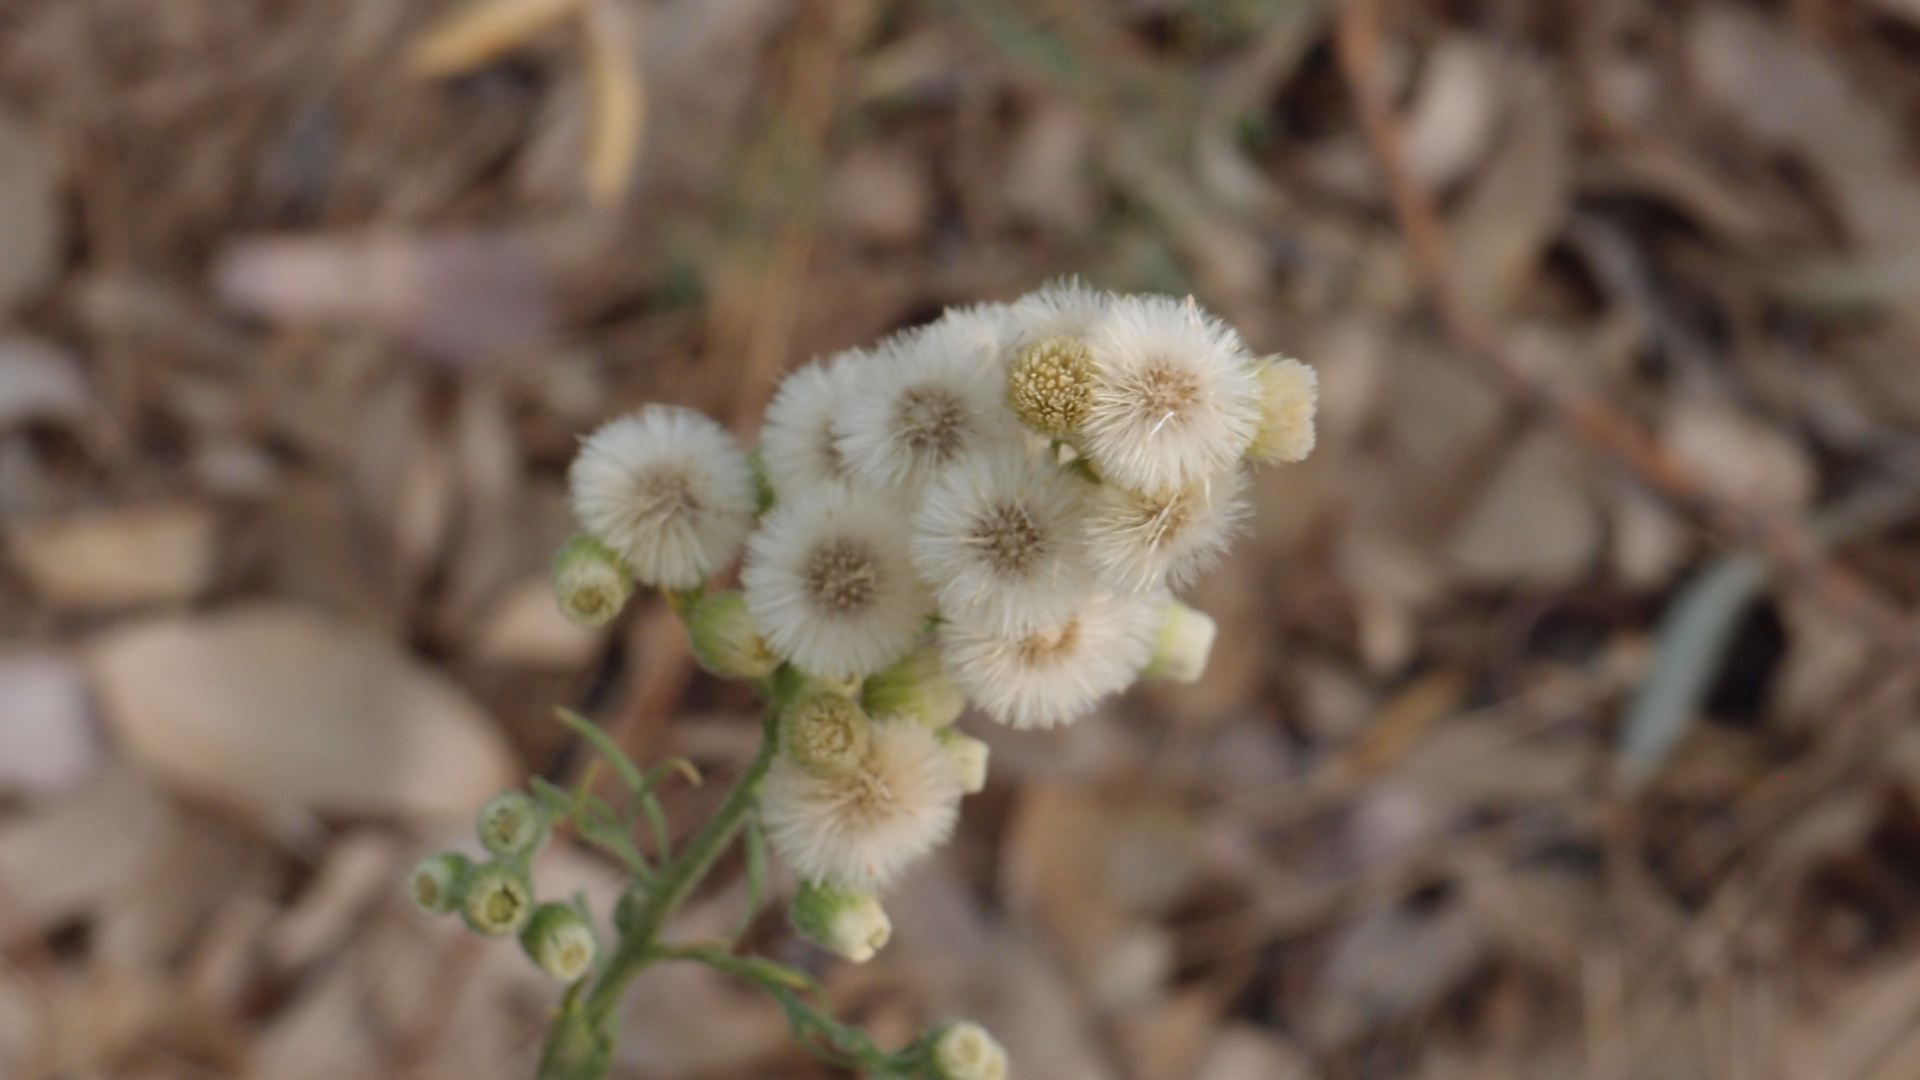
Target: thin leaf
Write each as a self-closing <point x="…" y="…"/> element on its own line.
<point x="755" y="843"/>
<point x="605" y="746"/>
<point x="657" y="824"/>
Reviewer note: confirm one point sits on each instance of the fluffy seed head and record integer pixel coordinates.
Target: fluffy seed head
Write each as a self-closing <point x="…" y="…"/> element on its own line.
<point x="590" y="582"/>
<point x="1181" y="648"/>
<point x="933" y="398"/>
<point x="969" y="759"/>
<point x="558" y="940"/>
<point x="859" y="829"/>
<point x="1136" y="543"/>
<point x="725" y="640"/>
<point x="798" y="442"/>
<point x="511" y="824"/>
<point x="668" y="490"/>
<point x="830" y="583"/>
<point x="1059" y="309"/>
<point x="965" y="1051"/>
<point x="1049" y="384"/>
<point x="1054" y="675"/>
<point x="826" y="732"/>
<point x="917" y="688"/>
<point x="999" y="539"/>
<point x="847" y="922"/>
<point x="499" y="900"/>
<point x="438" y="882"/>
<point x="1289" y="393"/>
<point x="1174" y="398"/>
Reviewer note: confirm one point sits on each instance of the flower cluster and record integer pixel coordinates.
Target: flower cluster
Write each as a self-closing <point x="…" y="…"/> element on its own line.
<point x="993" y="508"/>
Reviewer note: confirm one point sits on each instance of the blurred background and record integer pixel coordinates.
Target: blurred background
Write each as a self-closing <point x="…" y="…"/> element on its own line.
<point x="1505" y="766"/>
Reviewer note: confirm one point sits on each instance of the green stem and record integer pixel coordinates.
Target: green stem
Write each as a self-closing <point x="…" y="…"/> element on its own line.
<point x="581" y="1044"/>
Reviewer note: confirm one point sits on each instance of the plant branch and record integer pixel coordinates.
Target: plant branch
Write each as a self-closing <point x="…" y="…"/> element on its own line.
<point x="1786" y="541"/>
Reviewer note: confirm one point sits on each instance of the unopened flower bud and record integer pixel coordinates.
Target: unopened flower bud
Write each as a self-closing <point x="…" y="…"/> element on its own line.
<point x="1049" y="384"/>
<point x="590" y="581"/>
<point x="845" y="922"/>
<point x="438" y="882"/>
<point x="1289" y="392"/>
<point x="826" y="732"/>
<point x="559" y="940"/>
<point x="1181" y="649"/>
<point x="498" y="901"/>
<point x="725" y="640"/>
<point x="965" y="1051"/>
<point x="969" y="758"/>
<point x="917" y="688"/>
<point x="511" y="824"/>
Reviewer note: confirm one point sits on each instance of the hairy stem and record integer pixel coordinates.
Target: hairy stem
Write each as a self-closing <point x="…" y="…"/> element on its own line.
<point x="580" y="1046"/>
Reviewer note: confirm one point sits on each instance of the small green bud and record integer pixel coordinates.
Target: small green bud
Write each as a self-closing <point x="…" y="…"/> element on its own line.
<point x="763" y="494"/>
<point x="969" y="758"/>
<point x="512" y="824"/>
<point x="1049" y="384"/>
<point x="626" y="910"/>
<point x="439" y="881"/>
<point x="590" y="582"/>
<point x="1289" y="394"/>
<point x="965" y="1051"/>
<point x="725" y="640"/>
<point x="1184" y="643"/>
<point x="825" y="732"/>
<point x="842" y="921"/>
<point x="559" y="940"/>
<point x="917" y="688"/>
<point x="498" y="901"/>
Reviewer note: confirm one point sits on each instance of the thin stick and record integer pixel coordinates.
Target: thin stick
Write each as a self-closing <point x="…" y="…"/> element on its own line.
<point x="1786" y="541"/>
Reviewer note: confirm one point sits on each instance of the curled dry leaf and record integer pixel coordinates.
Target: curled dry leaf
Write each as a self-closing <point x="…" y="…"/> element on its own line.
<point x="618" y="96"/>
<point x="485" y="32"/>
<point x="117" y="558"/>
<point x="275" y="706"/>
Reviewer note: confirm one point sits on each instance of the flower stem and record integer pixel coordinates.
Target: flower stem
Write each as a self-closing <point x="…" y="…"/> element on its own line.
<point x="580" y="1046"/>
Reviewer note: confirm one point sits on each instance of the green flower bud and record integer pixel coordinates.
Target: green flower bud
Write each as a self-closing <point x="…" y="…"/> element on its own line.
<point x="917" y="688"/>
<point x="498" y="901"/>
<point x="725" y="640"/>
<point x="626" y="910"/>
<point x="591" y="583"/>
<point x="840" y="920"/>
<point x="439" y="881"/>
<point x="825" y="732"/>
<point x="964" y="1051"/>
<point x="1289" y="393"/>
<point x="559" y="940"/>
<point x="1049" y="384"/>
<point x="969" y="758"/>
<point x="512" y="824"/>
<point x="1184" y="643"/>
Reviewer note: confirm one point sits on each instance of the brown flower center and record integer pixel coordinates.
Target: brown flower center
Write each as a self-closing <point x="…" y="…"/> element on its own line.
<point x="1050" y="646"/>
<point x="842" y="577"/>
<point x="1009" y="539"/>
<point x="931" y="422"/>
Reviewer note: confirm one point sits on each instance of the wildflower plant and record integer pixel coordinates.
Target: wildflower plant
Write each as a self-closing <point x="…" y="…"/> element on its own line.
<point x="995" y="508"/>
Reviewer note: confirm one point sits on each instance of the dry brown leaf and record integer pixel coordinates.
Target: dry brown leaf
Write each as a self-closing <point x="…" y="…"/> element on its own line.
<point x="617" y="115"/>
<point x="484" y="32"/>
<point x="275" y="707"/>
<point x="117" y="558"/>
<point x="30" y="215"/>
<point x="1455" y="113"/>
<point x="1510" y="215"/>
<point x="46" y="724"/>
<point x="526" y="629"/>
<point x="118" y="820"/>
<point x="39" y="381"/>
<point x="1535" y="523"/>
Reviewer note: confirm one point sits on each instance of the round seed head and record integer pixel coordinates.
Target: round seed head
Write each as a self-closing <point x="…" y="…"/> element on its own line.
<point x="1049" y="384"/>
<point x="965" y="1051"/>
<point x="846" y="922"/>
<point x="590" y="582"/>
<point x="725" y="641"/>
<point x="511" y="824"/>
<point x="558" y="940"/>
<point x="827" y="733"/>
<point x="438" y="881"/>
<point x="499" y="900"/>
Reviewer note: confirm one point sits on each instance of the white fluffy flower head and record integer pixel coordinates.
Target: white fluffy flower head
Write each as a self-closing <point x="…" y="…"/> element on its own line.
<point x="1174" y="398"/>
<point x="933" y="397"/>
<point x="830" y="583"/>
<point x="798" y="441"/>
<point x="999" y="539"/>
<point x="669" y="490"/>
<point x="1055" y="675"/>
<point x="1136" y="543"/>
<point x="861" y="827"/>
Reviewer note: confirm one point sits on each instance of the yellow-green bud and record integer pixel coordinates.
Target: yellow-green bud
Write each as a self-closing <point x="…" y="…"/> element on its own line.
<point x="725" y="640"/>
<point x="1184" y="643"/>
<point x="511" y="824"/>
<point x="498" y="901"/>
<point x="438" y="882"/>
<point x="964" y="1051"/>
<point x="826" y="732"/>
<point x="1289" y="393"/>
<point x="917" y="688"/>
<point x="590" y="582"/>
<point x="842" y="921"/>
<point x="559" y="941"/>
<point x="969" y="758"/>
<point x="1049" y="384"/>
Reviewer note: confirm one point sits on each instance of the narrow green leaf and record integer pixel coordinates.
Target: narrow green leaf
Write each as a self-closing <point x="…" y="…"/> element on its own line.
<point x="605" y="746"/>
